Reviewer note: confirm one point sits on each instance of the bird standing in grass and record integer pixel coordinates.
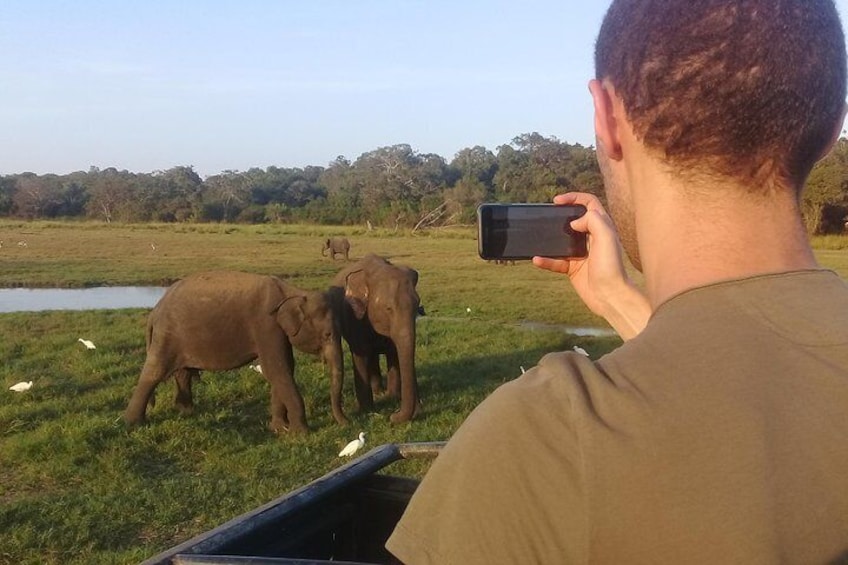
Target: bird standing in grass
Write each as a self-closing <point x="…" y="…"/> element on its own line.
<point x="88" y="344"/>
<point x="353" y="446"/>
<point x="21" y="386"/>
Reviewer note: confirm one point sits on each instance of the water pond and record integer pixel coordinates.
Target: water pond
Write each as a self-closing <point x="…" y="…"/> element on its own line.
<point x="97" y="298"/>
<point x="574" y="330"/>
<point x="114" y="297"/>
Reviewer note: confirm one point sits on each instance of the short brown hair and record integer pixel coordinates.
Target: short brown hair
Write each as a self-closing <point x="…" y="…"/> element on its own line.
<point x="748" y="89"/>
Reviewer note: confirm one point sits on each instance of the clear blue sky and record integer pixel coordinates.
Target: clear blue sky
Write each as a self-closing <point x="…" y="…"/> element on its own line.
<point x="235" y="84"/>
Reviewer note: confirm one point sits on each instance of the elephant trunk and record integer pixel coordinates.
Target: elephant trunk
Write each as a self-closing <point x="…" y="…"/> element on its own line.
<point x="405" y="344"/>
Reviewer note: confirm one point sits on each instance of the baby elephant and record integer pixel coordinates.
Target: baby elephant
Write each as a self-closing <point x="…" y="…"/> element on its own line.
<point x="336" y="245"/>
<point x="222" y="320"/>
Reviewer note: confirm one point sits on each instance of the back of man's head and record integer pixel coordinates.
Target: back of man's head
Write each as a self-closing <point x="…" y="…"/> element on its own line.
<point x="751" y="90"/>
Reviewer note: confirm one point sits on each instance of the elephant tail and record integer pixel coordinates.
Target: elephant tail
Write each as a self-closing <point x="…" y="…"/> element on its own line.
<point x="149" y="335"/>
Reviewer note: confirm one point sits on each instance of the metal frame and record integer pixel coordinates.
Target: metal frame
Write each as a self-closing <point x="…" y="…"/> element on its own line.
<point x="202" y="548"/>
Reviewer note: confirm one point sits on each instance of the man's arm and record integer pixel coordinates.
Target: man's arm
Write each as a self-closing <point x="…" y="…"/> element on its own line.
<point x="600" y="278"/>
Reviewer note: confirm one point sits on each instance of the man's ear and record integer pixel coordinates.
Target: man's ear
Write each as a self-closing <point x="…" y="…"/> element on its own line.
<point x="606" y="123"/>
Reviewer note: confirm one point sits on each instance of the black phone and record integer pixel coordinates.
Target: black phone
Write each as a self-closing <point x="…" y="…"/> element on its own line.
<point x="523" y="231"/>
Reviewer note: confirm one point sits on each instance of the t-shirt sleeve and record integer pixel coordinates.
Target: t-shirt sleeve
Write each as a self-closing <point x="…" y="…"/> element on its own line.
<point x="508" y="487"/>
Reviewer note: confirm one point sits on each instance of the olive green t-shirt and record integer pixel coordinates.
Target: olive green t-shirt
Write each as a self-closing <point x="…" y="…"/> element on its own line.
<point x="717" y="435"/>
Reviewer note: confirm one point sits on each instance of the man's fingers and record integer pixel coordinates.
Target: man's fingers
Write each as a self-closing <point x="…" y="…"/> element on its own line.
<point x="590" y="201"/>
<point x="554" y="265"/>
<point x="598" y="224"/>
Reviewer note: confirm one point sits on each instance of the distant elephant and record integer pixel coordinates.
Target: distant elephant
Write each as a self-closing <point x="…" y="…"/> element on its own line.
<point x="379" y="304"/>
<point x="222" y="320"/>
<point x="336" y="245"/>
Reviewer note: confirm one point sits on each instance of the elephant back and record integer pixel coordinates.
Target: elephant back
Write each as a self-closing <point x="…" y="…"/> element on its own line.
<point x="369" y="262"/>
<point x="223" y="291"/>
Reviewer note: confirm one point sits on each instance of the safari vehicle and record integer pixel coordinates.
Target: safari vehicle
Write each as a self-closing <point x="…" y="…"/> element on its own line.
<point x="344" y="517"/>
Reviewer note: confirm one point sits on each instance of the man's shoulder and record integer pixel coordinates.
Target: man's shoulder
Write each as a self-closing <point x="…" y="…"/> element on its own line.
<point x="555" y="379"/>
<point x="542" y="398"/>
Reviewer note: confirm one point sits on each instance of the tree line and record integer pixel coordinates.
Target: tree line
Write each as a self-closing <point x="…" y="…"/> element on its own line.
<point x="390" y="186"/>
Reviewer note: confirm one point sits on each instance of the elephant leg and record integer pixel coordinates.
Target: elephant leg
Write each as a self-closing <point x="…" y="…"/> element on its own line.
<point x="183" y="379"/>
<point x="336" y="399"/>
<point x="287" y="410"/>
<point x="392" y="372"/>
<point x="375" y="377"/>
<point x="364" y="396"/>
<point x="279" y="411"/>
<point x="151" y="375"/>
<point x="336" y="386"/>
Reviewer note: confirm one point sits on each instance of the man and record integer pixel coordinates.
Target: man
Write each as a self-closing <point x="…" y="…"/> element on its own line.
<point x="718" y="433"/>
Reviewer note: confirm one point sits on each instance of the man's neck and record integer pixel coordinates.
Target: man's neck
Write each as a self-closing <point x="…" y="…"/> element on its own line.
<point x="687" y="243"/>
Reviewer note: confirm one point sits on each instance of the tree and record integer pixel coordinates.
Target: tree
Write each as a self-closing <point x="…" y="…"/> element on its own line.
<point x="393" y="180"/>
<point x="72" y="199"/>
<point x="341" y="184"/>
<point x="827" y="185"/>
<point x="36" y="197"/>
<point x="513" y="179"/>
<point x="534" y="168"/>
<point x="176" y="195"/>
<point x="8" y="187"/>
<point x="225" y="196"/>
<point x="476" y="165"/>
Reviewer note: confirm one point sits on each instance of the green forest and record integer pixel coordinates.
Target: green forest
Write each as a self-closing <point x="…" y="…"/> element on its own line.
<point x="392" y="186"/>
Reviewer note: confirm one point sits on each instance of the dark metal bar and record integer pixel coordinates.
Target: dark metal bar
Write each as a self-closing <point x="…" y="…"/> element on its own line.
<point x="242" y="560"/>
<point x="276" y="511"/>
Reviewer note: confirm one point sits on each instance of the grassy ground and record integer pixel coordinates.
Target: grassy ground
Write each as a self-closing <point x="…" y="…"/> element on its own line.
<point x="77" y="487"/>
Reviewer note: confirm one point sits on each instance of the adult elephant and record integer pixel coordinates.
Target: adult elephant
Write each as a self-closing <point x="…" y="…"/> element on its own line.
<point x="222" y="320"/>
<point x="336" y="245"/>
<point x="379" y="304"/>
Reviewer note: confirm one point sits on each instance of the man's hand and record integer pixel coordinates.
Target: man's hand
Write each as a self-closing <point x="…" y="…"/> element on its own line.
<point x="600" y="278"/>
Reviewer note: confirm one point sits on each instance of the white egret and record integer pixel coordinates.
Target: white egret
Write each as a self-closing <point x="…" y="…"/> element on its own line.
<point x="468" y="310"/>
<point x="522" y="369"/>
<point x="88" y="344"/>
<point x="21" y="386"/>
<point x="257" y="368"/>
<point x="353" y="446"/>
<point x="580" y="350"/>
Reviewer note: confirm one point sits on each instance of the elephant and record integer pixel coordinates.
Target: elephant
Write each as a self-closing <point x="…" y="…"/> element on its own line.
<point x="336" y="245"/>
<point x="222" y="320"/>
<point x="379" y="303"/>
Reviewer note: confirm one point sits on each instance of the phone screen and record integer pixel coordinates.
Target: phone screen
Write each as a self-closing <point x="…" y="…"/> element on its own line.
<point x="522" y="231"/>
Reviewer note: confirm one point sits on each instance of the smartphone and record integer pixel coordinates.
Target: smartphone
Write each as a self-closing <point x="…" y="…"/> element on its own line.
<point x="523" y="231"/>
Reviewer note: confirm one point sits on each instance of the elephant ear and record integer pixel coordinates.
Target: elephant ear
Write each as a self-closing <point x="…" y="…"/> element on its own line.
<point x="356" y="292"/>
<point x="290" y="314"/>
<point x="413" y="276"/>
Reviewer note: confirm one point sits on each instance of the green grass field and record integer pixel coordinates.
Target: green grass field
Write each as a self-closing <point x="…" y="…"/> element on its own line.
<point x="77" y="487"/>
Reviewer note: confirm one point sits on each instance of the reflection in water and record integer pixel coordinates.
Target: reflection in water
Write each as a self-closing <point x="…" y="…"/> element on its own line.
<point x="106" y="297"/>
<point x="575" y="330"/>
<point x="582" y="331"/>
